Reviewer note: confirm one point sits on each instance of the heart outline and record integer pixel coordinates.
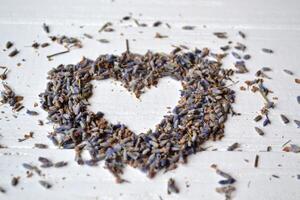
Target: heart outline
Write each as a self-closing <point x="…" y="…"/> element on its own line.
<point x="177" y="136"/>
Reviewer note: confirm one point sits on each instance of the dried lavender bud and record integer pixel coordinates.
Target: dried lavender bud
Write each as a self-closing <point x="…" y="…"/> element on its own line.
<point x="233" y="146"/>
<point x="246" y="57"/>
<point x="31" y="112"/>
<point x="88" y="36"/>
<point x="43" y="45"/>
<point x="275" y="176"/>
<point x="41" y="146"/>
<point x="60" y="164"/>
<point x="266" y="122"/>
<point x="227" y="190"/>
<point x="13" y="53"/>
<point x="259" y="131"/>
<point x="267" y="50"/>
<point x="227" y="181"/>
<point x="27" y="166"/>
<point x="9" y="44"/>
<point x="2" y="190"/>
<point x="243" y="35"/>
<point x="297" y="122"/>
<point x="240" y="46"/>
<point x="46" y="163"/>
<point x="257" y="118"/>
<point x="45" y="184"/>
<point x="284" y="119"/>
<point x="221" y="35"/>
<point x="43" y="159"/>
<point x="288" y="72"/>
<point x="157" y="23"/>
<point x="15" y="181"/>
<point x="266" y="69"/>
<point x="158" y="35"/>
<point x="3" y="76"/>
<point x="256" y="161"/>
<point x="126" y="18"/>
<point x="236" y="55"/>
<point x="35" y="45"/>
<point x="172" y="187"/>
<point x="103" y="40"/>
<point x="188" y="27"/>
<point x="225" y="48"/>
<point x="46" y="28"/>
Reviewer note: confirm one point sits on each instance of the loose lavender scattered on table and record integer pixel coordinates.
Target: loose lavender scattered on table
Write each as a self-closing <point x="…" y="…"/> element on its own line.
<point x="227" y="187"/>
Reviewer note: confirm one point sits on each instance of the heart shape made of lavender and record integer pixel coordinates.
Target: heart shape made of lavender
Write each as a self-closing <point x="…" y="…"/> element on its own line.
<point x="200" y="115"/>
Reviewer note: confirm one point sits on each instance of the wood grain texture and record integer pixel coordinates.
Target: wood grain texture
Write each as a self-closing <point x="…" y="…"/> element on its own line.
<point x="271" y="24"/>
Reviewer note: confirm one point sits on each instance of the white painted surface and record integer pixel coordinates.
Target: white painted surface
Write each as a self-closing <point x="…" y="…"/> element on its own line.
<point x="272" y="24"/>
<point x="119" y="104"/>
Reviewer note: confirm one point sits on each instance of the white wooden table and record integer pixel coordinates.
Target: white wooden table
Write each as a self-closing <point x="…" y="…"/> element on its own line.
<point x="271" y="24"/>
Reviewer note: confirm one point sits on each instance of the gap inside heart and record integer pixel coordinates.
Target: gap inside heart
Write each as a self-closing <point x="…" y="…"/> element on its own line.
<point x="139" y="115"/>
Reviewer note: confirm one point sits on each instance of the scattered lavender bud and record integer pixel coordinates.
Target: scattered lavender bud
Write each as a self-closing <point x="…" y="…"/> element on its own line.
<point x="46" y="28"/>
<point x="45" y="184"/>
<point x="257" y="118"/>
<point x="9" y="44"/>
<point x="242" y="34"/>
<point x="188" y="27"/>
<point x="284" y="119"/>
<point x="259" y="131"/>
<point x="2" y="190"/>
<point x="13" y="53"/>
<point x="265" y="50"/>
<point x="172" y="187"/>
<point x="40" y="146"/>
<point x="297" y="122"/>
<point x="221" y="35"/>
<point x="60" y="164"/>
<point x="288" y="72"/>
<point x="15" y="181"/>
<point x="31" y="112"/>
<point x="233" y="146"/>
